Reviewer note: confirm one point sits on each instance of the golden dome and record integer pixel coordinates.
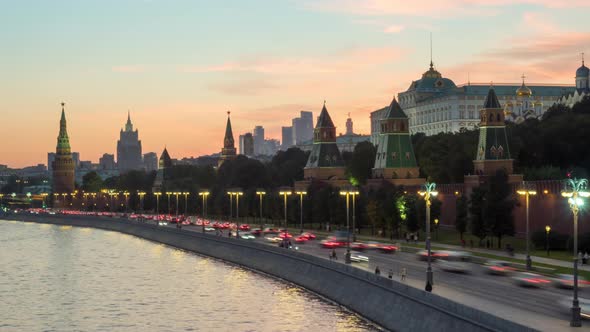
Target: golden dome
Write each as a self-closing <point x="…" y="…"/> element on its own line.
<point x="523" y="91"/>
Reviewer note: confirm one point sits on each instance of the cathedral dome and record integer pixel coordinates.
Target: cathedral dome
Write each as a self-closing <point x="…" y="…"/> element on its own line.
<point x="523" y="91"/>
<point x="583" y="71"/>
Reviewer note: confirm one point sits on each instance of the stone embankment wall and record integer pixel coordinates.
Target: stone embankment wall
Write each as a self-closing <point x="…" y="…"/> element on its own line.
<point x="390" y="304"/>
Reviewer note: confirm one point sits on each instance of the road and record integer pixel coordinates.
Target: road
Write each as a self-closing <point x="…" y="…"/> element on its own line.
<point x="499" y="295"/>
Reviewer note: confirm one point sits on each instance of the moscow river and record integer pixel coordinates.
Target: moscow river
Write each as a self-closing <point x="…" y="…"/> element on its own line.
<point x="60" y="278"/>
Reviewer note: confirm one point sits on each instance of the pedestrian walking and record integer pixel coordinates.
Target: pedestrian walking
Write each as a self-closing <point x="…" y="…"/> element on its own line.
<point x="377" y="271"/>
<point x="403" y="273"/>
<point x="334" y="255"/>
<point x="390" y="274"/>
<point x="580" y="257"/>
<point x="585" y="258"/>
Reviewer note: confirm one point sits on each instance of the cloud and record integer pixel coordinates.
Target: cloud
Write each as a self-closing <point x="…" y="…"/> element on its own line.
<point x="129" y="69"/>
<point x="345" y="61"/>
<point x="431" y="8"/>
<point x="243" y="86"/>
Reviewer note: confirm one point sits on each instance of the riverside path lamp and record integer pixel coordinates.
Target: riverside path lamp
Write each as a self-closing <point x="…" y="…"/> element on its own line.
<point x="64" y="200"/>
<point x="285" y="192"/>
<point x="260" y="193"/>
<point x="141" y="194"/>
<point x="176" y="193"/>
<point x="126" y="195"/>
<point x="157" y="194"/>
<point x="527" y="191"/>
<point x="231" y="196"/>
<point x="168" y="193"/>
<point x="428" y="192"/>
<point x="93" y="201"/>
<point x="185" y="194"/>
<point x="301" y="194"/>
<point x="44" y="195"/>
<point x="204" y="194"/>
<point x="347" y="194"/>
<point x="436" y="228"/>
<point x="547" y="230"/>
<point x="238" y="193"/>
<point x="574" y="191"/>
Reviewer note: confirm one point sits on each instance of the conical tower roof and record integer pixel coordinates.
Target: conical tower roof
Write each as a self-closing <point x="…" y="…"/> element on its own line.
<point x="129" y="125"/>
<point x="165" y="160"/>
<point x="228" y="132"/>
<point x="491" y="100"/>
<point x="324" y="120"/>
<point x="395" y="111"/>
<point x="63" y="141"/>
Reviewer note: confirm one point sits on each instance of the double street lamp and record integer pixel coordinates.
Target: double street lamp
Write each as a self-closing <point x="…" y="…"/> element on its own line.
<point x="260" y="193"/>
<point x="185" y="194"/>
<point x="204" y="194"/>
<point x="285" y="193"/>
<point x="574" y="191"/>
<point x="237" y="193"/>
<point x="141" y="194"/>
<point x="428" y="192"/>
<point x="157" y="194"/>
<point x="527" y="192"/>
<point x="301" y="194"/>
<point x="347" y="194"/>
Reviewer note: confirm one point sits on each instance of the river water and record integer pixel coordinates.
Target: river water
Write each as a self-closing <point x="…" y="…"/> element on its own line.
<point x="61" y="278"/>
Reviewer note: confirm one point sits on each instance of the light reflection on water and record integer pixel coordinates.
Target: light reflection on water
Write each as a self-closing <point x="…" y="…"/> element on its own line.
<point x="76" y="279"/>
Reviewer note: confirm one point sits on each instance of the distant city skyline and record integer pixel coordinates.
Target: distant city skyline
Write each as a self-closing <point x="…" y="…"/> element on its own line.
<point x="179" y="66"/>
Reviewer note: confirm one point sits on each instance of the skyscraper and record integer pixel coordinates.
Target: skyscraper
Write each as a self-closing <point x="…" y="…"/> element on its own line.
<point x="63" y="164"/>
<point x="247" y="144"/>
<point x="286" y="137"/>
<point x="150" y="161"/>
<point x="258" y="136"/>
<point x="107" y="162"/>
<point x="302" y="128"/>
<point x="129" y="148"/>
<point x="228" y="152"/>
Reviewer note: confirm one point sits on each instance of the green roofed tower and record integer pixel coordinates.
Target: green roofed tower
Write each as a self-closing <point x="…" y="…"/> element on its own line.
<point x="325" y="161"/>
<point x="395" y="157"/>
<point x="493" y="152"/>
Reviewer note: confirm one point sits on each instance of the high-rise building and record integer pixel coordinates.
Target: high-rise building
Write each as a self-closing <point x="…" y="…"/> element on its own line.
<point x="63" y="165"/>
<point x="150" y="162"/>
<point x="228" y="152"/>
<point x="302" y="128"/>
<point x="129" y="148"/>
<point x="258" y="135"/>
<point x="286" y="137"/>
<point x="50" y="159"/>
<point x="76" y="159"/>
<point x="247" y="144"/>
<point x="107" y="162"/>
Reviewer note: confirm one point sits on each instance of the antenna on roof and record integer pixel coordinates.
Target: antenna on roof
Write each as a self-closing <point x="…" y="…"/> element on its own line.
<point x="468" y="79"/>
<point x="582" y="58"/>
<point x="431" y="64"/>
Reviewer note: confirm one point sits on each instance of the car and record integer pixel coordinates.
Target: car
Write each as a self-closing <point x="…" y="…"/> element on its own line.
<point x="269" y="230"/>
<point x="501" y="268"/>
<point x="453" y="266"/>
<point x="209" y="229"/>
<point x="332" y="243"/>
<point x="387" y="248"/>
<point x="423" y="255"/>
<point x="308" y="235"/>
<point x="285" y="235"/>
<point x="162" y="223"/>
<point x="244" y="227"/>
<point x="301" y="239"/>
<point x="247" y="236"/>
<point x="567" y="281"/>
<point x="273" y="238"/>
<point x="256" y="231"/>
<point x="527" y="279"/>
<point x="357" y="258"/>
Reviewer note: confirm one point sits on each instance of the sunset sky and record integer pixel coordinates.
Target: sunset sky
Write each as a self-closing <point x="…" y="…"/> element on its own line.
<point x="179" y="65"/>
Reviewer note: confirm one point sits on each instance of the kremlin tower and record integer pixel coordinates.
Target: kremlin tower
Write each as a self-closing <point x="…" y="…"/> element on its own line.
<point x="229" y="150"/>
<point x="63" y="165"/>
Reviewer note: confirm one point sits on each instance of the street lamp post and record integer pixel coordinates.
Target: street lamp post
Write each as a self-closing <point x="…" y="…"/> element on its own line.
<point x="141" y="194"/>
<point x="44" y="195"/>
<point x="204" y="194"/>
<point x="285" y="193"/>
<point x="301" y="194"/>
<point x="168" y="193"/>
<point x="176" y="193"/>
<point x="547" y="230"/>
<point x="428" y="192"/>
<point x="347" y="194"/>
<point x="260" y="193"/>
<point x="436" y="228"/>
<point x="64" y="201"/>
<point x="238" y="194"/>
<point x="126" y="194"/>
<point x="157" y="194"/>
<point x="574" y="191"/>
<point x="231" y="195"/>
<point x="185" y="201"/>
<point x="527" y="192"/>
<point x="354" y="194"/>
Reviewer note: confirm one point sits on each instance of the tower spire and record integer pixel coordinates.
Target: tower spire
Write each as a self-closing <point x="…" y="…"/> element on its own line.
<point x="431" y="64"/>
<point x="582" y="58"/>
<point x="128" y="125"/>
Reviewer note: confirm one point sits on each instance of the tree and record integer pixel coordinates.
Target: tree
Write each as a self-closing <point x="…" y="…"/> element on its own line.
<point x="361" y="163"/>
<point x="499" y="205"/>
<point x="476" y="210"/>
<point x="461" y="218"/>
<point x="92" y="182"/>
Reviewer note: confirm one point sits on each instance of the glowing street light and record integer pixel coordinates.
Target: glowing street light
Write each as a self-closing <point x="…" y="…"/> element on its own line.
<point x="301" y="194"/>
<point x="168" y="193"/>
<point x="260" y="193"/>
<point x="157" y="194"/>
<point x="204" y="194"/>
<point x="185" y="194"/>
<point x="526" y="191"/>
<point x="141" y="194"/>
<point x="574" y="191"/>
<point x="428" y="192"/>
<point x="547" y="230"/>
<point x="285" y="192"/>
<point x="347" y="194"/>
